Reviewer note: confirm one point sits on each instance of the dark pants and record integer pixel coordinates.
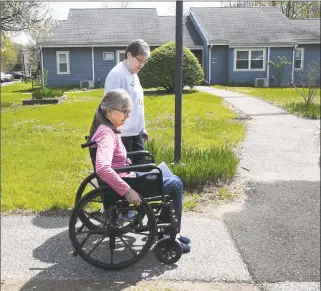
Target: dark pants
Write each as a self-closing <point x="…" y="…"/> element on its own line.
<point x="132" y="144"/>
<point x="173" y="186"/>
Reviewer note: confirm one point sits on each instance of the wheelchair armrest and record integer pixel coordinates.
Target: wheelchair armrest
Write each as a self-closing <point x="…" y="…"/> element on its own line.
<point x="137" y="154"/>
<point x="137" y="168"/>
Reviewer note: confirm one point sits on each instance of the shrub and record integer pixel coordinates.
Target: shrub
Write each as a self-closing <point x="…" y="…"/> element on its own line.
<point x="160" y="69"/>
<point x="46" y="93"/>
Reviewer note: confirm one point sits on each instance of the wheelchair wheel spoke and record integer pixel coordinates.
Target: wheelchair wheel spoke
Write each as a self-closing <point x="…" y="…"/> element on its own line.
<point x="128" y="246"/>
<point x="140" y="232"/>
<point x="96" y="245"/>
<point x="90" y="215"/>
<point x="92" y="184"/>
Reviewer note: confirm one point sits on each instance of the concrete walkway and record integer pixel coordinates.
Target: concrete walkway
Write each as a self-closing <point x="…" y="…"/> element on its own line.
<point x="271" y="245"/>
<point x="278" y="145"/>
<point x="278" y="229"/>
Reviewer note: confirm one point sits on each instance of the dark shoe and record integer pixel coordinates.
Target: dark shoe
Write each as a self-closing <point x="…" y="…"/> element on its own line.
<point x="183" y="239"/>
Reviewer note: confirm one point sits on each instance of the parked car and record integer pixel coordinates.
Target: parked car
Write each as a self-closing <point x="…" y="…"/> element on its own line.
<point x="18" y="75"/>
<point x="6" y="77"/>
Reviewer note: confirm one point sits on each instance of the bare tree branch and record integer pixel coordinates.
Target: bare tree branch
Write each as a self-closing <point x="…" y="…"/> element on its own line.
<point x="22" y="15"/>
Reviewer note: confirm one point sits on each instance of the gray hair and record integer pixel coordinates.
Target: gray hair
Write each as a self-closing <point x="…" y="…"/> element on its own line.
<point x="138" y="47"/>
<point x="118" y="98"/>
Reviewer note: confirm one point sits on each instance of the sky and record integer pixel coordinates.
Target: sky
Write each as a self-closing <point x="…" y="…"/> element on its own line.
<point x="60" y="9"/>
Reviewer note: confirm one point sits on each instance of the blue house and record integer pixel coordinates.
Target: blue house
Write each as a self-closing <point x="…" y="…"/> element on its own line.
<point x="91" y="42"/>
<point x="233" y="45"/>
<point x="238" y="44"/>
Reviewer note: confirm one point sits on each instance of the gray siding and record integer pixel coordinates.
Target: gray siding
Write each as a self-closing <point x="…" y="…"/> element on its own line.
<point x="287" y="72"/>
<point x="219" y="65"/>
<point x="80" y="66"/>
<point x="311" y="53"/>
<point x="242" y="78"/>
<point x="205" y="45"/>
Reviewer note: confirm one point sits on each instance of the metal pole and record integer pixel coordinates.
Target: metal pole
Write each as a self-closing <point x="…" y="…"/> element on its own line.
<point x="178" y="81"/>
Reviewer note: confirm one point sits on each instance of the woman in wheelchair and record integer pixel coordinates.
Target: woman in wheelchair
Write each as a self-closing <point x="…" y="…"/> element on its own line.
<point x="112" y="112"/>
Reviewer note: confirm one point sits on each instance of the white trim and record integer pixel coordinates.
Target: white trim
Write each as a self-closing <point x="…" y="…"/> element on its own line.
<point x="302" y="59"/>
<point x="193" y="16"/>
<point x="117" y="55"/>
<point x="57" y="62"/>
<point x="268" y="66"/>
<point x="41" y="57"/>
<point x="293" y="65"/>
<point x="93" y="62"/>
<point x="261" y="45"/>
<point x="249" y="61"/>
<point x="112" y="53"/>
<point x="309" y="42"/>
<point x="223" y="42"/>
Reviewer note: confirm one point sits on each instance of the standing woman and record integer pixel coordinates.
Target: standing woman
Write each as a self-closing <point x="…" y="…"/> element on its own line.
<point x="124" y="75"/>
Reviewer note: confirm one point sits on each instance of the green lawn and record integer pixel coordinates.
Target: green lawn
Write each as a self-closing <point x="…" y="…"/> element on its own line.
<point x="287" y="98"/>
<point x="43" y="164"/>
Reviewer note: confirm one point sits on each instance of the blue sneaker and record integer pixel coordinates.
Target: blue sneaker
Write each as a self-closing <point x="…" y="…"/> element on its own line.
<point x="183" y="239"/>
<point x="127" y="217"/>
<point x="185" y="248"/>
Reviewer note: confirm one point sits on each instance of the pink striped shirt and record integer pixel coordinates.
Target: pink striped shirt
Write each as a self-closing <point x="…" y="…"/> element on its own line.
<point x="111" y="153"/>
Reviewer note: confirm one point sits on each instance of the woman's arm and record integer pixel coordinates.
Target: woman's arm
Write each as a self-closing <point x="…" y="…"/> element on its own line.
<point x="106" y="142"/>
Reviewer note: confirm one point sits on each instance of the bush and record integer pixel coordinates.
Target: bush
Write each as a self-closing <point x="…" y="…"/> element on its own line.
<point x="46" y="93"/>
<point x="160" y="69"/>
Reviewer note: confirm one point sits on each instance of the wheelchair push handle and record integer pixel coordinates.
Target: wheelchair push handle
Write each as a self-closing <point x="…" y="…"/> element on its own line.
<point x="88" y="144"/>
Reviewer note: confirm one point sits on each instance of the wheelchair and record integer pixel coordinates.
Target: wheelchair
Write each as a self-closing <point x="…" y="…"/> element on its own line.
<point x="109" y="233"/>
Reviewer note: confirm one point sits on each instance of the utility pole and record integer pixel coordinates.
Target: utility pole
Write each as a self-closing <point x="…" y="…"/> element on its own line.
<point x="178" y="81"/>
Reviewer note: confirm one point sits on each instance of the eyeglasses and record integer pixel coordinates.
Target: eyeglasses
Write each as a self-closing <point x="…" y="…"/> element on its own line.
<point x="141" y="61"/>
<point x="126" y="112"/>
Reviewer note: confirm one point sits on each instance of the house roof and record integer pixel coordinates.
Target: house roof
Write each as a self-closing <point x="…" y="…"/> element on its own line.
<point x="117" y="27"/>
<point x="306" y="30"/>
<point x="248" y="26"/>
<point x="167" y="32"/>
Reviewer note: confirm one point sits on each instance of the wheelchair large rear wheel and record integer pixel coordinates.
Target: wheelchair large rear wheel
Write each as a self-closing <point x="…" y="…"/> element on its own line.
<point x="88" y="184"/>
<point x="105" y="237"/>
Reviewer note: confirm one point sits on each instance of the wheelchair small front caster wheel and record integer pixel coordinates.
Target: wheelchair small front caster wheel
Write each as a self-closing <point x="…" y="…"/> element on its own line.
<point x="168" y="251"/>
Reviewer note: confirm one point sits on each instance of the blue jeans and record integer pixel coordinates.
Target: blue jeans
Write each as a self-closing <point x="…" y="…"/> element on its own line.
<point x="173" y="186"/>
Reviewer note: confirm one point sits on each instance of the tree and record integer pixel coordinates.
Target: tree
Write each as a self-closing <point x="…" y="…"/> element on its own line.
<point x="8" y="54"/>
<point x="17" y="16"/>
<point x="40" y="33"/>
<point x="291" y="9"/>
<point x="160" y="69"/>
<point x="279" y="68"/>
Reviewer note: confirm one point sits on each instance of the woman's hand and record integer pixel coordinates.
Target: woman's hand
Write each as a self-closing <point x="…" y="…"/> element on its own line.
<point x="145" y="137"/>
<point x="133" y="197"/>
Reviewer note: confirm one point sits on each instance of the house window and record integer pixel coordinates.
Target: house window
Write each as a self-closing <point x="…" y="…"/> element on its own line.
<point x="120" y="55"/>
<point x="63" y="65"/>
<point x="299" y="58"/>
<point x="108" y="56"/>
<point x="253" y="60"/>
